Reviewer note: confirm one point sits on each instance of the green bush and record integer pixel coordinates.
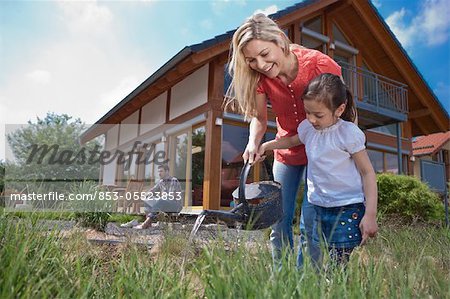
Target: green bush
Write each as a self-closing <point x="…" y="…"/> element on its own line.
<point x="93" y="213"/>
<point x="408" y="197"/>
<point x="95" y="220"/>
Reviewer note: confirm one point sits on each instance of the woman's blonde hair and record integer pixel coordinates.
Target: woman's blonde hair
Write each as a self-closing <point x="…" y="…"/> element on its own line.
<point x="244" y="79"/>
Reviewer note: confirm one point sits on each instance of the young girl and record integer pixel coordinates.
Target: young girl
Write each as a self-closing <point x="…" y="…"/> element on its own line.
<point x="340" y="179"/>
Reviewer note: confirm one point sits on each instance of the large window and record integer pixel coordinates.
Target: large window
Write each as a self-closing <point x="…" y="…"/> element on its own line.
<point x="376" y="158"/>
<point x="386" y="162"/>
<point x="234" y="141"/>
<point x="391" y="164"/>
<point x="179" y="160"/>
<point x="127" y="170"/>
<point x="387" y="129"/>
<point x="198" y="165"/>
<point x="187" y="156"/>
<point x="312" y="36"/>
<point x="150" y="174"/>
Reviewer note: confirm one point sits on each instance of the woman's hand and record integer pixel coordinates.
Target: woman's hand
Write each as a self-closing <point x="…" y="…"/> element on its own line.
<point x="368" y="227"/>
<point x="251" y="154"/>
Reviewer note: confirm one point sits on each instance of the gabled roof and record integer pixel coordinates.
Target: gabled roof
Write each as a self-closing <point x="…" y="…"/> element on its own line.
<point x="430" y="144"/>
<point x="196" y="54"/>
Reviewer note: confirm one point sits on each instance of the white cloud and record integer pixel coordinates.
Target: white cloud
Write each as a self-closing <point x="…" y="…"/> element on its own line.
<point x="40" y="76"/>
<point x="431" y="26"/>
<point x="220" y="7"/>
<point x="435" y="21"/>
<point x="83" y="75"/>
<point x="404" y="33"/>
<point x="376" y="3"/>
<point x="86" y="16"/>
<point x="268" y="10"/>
<point x="125" y="86"/>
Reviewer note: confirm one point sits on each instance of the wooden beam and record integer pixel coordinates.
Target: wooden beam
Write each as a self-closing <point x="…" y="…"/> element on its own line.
<point x="213" y="162"/>
<point x="407" y="130"/>
<point x="213" y="143"/>
<point x="139" y="122"/>
<point x="337" y="8"/>
<point x="419" y="113"/>
<point x="191" y="114"/>
<point x="169" y="96"/>
<point x="210" y="53"/>
<point x="296" y="15"/>
<point x="327" y="29"/>
<point x="215" y="81"/>
<point x="296" y="35"/>
<point x="421" y="126"/>
<point x="359" y="63"/>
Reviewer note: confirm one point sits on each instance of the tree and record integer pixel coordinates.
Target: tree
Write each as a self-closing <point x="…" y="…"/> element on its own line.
<point x="47" y="154"/>
<point x="2" y="177"/>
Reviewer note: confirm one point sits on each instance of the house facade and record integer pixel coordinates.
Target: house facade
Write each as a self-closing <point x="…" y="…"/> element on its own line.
<point x="179" y="109"/>
<point x="434" y="147"/>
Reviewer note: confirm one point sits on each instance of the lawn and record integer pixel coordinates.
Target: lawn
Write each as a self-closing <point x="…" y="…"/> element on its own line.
<point x="405" y="261"/>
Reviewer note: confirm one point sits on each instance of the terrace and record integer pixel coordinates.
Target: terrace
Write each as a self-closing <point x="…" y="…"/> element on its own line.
<point x="380" y="100"/>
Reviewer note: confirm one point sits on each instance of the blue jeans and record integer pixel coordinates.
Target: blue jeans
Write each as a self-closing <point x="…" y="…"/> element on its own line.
<point x="307" y="217"/>
<point x="338" y="229"/>
<point x="281" y="236"/>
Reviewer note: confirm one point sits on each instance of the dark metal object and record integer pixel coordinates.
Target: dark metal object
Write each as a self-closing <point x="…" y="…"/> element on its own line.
<point x="258" y="205"/>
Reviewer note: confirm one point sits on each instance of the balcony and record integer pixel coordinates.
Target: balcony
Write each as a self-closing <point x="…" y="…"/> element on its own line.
<point x="380" y="100"/>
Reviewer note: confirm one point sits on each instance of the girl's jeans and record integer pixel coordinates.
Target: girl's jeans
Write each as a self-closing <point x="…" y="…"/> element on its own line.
<point x="338" y="229"/>
<point x="281" y="236"/>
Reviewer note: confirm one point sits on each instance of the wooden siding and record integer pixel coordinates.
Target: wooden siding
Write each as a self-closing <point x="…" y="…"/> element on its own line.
<point x="213" y="142"/>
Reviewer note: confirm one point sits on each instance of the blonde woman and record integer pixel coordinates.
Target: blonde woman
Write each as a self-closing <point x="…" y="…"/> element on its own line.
<point x="265" y="66"/>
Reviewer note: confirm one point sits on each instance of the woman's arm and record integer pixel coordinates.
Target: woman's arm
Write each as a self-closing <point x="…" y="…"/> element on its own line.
<point x="368" y="224"/>
<point x="258" y="126"/>
<point x="282" y="143"/>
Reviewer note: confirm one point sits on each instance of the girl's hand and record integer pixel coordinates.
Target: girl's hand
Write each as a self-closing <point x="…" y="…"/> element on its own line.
<point x="368" y="227"/>
<point x="251" y="154"/>
<point x="262" y="150"/>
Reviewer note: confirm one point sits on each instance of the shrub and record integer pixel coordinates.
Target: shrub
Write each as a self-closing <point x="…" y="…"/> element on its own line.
<point x="93" y="213"/>
<point x="95" y="220"/>
<point x="408" y="197"/>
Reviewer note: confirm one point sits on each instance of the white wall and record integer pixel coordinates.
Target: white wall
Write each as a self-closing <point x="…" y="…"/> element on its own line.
<point x="154" y="113"/>
<point x="111" y="137"/>
<point x="129" y="128"/>
<point x="109" y="172"/>
<point x="189" y="93"/>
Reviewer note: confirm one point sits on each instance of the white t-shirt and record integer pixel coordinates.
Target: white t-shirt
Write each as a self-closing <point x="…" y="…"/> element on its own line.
<point x="333" y="179"/>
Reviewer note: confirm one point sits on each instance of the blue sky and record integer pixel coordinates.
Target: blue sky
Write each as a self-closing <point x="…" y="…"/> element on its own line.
<point x="83" y="57"/>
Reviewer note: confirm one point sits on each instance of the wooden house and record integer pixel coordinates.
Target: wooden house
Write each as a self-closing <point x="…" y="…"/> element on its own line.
<point x="179" y="108"/>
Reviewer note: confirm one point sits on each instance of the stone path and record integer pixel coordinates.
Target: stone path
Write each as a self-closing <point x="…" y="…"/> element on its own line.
<point x="114" y="234"/>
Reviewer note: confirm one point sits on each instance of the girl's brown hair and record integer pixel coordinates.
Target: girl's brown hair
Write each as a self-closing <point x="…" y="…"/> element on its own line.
<point x="332" y="92"/>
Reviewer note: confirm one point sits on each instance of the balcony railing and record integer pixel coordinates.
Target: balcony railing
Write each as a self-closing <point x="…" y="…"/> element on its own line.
<point x="374" y="89"/>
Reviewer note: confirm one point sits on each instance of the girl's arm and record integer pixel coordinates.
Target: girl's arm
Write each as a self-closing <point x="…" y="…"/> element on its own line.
<point x="258" y="126"/>
<point x="282" y="143"/>
<point x="368" y="224"/>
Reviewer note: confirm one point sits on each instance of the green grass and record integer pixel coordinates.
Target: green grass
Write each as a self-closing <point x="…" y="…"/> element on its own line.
<point x="65" y="215"/>
<point x="403" y="262"/>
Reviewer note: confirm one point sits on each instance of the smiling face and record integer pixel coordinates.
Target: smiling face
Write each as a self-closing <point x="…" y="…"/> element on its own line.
<point x="264" y="57"/>
<point x="320" y="116"/>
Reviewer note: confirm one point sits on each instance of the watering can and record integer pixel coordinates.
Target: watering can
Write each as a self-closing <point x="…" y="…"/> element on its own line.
<point x="258" y="205"/>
